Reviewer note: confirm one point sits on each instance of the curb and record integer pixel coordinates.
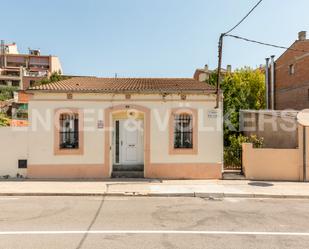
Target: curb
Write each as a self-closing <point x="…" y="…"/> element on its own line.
<point x="53" y="194"/>
<point x="137" y="194"/>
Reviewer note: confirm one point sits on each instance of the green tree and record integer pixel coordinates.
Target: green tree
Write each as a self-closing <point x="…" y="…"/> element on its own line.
<point x="7" y="92"/>
<point x="232" y="154"/>
<point x="54" y="77"/>
<point x="4" y="120"/>
<point x="242" y="89"/>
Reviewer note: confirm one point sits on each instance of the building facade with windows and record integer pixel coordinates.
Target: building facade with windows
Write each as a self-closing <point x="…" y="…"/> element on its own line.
<point x="23" y="70"/>
<point x="204" y="74"/>
<point x="122" y="127"/>
<point x="291" y="79"/>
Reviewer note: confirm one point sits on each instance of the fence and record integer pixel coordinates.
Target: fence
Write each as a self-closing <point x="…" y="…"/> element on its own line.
<point x="13" y="147"/>
<point x="272" y="164"/>
<point x="232" y="159"/>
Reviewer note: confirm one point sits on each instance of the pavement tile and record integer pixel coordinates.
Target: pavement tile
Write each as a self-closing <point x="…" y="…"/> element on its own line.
<point x="230" y="188"/>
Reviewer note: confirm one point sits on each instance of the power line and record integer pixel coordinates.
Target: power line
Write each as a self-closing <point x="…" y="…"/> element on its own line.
<point x="220" y="48"/>
<point x="267" y="44"/>
<point x="243" y="18"/>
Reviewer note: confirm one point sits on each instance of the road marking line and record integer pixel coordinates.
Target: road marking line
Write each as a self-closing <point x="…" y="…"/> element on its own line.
<point x="153" y="232"/>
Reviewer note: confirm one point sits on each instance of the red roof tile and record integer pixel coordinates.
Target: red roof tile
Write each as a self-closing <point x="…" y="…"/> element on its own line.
<point x="119" y="85"/>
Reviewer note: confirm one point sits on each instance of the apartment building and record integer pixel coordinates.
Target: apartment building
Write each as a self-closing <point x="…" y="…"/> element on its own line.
<point x="203" y="74"/>
<point x="23" y="70"/>
<point x="288" y="81"/>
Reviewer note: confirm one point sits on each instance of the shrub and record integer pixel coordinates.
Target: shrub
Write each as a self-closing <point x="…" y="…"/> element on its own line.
<point x="4" y="120"/>
<point x="54" y="77"/>
<point x="242" y="89"/>
<point x="237" y="141"/>
<point x="7" y="92"/>
<point x="232" y="154"/>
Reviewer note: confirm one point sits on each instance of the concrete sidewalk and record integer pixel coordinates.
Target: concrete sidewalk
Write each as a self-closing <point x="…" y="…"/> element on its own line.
<point x="196" y="188"/>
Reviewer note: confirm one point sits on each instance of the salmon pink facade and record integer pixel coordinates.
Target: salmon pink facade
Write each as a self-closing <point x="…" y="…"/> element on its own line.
<point x="100" y="128"/>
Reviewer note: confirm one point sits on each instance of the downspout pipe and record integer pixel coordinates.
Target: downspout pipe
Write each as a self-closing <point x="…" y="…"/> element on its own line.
<point x="304" y="154"/>
<point x="272" y="81"/>
<point x="267" y="83"/>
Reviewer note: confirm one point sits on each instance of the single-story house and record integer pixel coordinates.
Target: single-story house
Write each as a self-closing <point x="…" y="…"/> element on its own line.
<point x="89" y="127"/>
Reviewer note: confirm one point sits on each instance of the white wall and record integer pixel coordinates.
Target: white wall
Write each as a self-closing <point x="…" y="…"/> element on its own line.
<point x="13" y="146"/>
<point x="209" y="136"/>
<point x="55" y="65"/>
<point x="210" y="142"/>
<point x="37" y="144"/>
<point x="42" y="135"/>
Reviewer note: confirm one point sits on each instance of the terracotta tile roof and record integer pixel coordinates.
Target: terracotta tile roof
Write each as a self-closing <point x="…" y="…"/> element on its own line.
<point x="123" y="85"/>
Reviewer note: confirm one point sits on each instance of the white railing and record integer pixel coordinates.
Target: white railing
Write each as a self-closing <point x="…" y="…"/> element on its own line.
<point x="36" y="74"/>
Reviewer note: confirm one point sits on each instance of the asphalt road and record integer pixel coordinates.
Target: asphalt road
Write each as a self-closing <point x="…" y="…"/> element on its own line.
<point x="141" y="222"/>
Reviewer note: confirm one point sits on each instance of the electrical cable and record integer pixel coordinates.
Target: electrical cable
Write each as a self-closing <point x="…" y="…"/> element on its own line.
<point x="229" y="31"/>
<point x="268" y="44"/>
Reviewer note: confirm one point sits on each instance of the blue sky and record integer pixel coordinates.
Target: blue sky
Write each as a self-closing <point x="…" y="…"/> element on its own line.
<point x="150" y="38"/>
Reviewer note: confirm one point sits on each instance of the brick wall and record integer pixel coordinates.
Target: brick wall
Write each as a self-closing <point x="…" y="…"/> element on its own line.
<point x="23" y="97"/>
<point x="28" y="79"/>
<point x="292" y="91"/>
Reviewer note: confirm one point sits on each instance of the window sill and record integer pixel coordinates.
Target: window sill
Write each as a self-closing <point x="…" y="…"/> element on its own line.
<point x="184" y="151"/>
<point x="64" y="152"/>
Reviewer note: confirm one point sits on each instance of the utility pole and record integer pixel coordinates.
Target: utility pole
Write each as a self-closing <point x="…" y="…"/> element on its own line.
<point x="220" y="51"/>
<point x="2" y="52"/>
<point x="220" y="47"/>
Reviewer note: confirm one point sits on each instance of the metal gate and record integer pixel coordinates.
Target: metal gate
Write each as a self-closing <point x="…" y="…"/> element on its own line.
<point x="232" y="159"/>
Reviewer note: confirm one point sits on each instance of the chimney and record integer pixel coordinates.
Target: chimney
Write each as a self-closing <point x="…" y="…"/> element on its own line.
<point x="302" y="35"/>
<point x="267" y="83"/>
<point x="272" y="82"/>
<point x="206" y="68"/>
<point x="228" y="68"/>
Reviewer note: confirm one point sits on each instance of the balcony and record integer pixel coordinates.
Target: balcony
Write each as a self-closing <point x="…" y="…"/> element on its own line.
<point x="9" y="77"/>
<point x="36" y="74"/>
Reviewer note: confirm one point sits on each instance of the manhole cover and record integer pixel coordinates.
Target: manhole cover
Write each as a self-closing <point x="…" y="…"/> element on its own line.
<point x="261" y="184"/>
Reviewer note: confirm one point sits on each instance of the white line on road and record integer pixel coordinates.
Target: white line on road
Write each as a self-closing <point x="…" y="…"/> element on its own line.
<point x="153" y="232"/>
<point x="8" y="198"/>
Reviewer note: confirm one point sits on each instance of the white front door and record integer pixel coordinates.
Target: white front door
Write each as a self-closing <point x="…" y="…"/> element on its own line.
<point x="131" y="142"/>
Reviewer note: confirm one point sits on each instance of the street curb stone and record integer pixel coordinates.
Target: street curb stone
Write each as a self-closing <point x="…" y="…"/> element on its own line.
<point x="138" y="194"/>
